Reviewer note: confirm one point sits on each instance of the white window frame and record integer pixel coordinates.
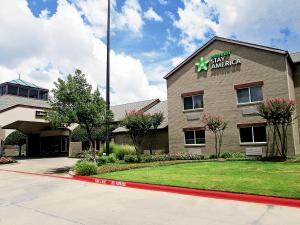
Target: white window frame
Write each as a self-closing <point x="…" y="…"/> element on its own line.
<point x="194" y="139"/>
<point x="252" y="131"/>
<point x="193" y="109"/>
<point x="249" y="95"/>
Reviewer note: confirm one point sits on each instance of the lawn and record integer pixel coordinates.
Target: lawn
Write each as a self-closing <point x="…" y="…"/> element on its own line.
<point x="255" y="177"/>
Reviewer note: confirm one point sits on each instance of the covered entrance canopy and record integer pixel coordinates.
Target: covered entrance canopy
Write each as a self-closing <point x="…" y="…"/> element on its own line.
<point x="41" y="140"/>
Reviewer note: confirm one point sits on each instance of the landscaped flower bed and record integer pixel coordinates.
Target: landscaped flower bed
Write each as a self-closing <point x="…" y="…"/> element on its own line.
<point x="7" y="160"/>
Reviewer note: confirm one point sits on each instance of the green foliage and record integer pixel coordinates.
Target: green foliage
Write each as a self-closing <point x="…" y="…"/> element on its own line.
<point x="128" y="166"/>
<point x="85" y="168"/>
<point x="131" y="158"/>
<point x="87" y="155"/>
<point x="278" y="113"/>
<point x="101" y="160"/>
<point x="80" y="134"/>
<point x="74" y="102"/>
<point x="169" y="157"/>
<point x="139" y="124"/>
<point x="233" y="155"/>
<point x="15" y="138"/>
<point x="111" y="158"/>
<point x="119" y="150"/>
<point x="217" y="125"/>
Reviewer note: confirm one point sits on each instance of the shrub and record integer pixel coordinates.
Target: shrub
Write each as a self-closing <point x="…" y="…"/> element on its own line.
<point x="154" y="158"/>
<point x="120" y="150"/>
<point x="101" y="160"/>
<point x="85" y="168"/>
<point x="87" y="155"/>
<point x="212" y="156"/>
<point x="185" y="156"/>
<point x="131" y="158"/>
<point x="111" y="158"/>
<point x="226" y="155"/>
<point x="233" y="155"/>
<point x="7" y="160"/>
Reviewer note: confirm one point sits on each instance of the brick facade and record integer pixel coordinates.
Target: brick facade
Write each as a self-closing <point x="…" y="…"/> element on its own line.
<point x="269" y="69"/>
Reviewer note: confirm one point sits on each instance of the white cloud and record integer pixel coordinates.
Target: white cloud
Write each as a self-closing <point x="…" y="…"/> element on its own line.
<point x="42" y="49"/>
<point x="177" y="60"/>
<point x="163" y="2"/>
<point x="258" y="21"/>
<point x="130" y="17"/>
<point x="150" y="14"/>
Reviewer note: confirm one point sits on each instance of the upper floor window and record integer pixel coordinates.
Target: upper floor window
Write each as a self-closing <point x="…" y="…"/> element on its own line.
<point x="249" y="93"/>
<point x="194" y="137"/>
<point x="193" y="100"/>
<point x="253" y="134"/>
<point x="12" y="90"/>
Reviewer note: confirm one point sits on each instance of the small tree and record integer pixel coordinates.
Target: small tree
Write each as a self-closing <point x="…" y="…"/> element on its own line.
<point x="278" y="113"/>
<point x="16" y="138"/>
<point x="139" y="124"/>
<point x="217" y="125"/>
<point x="74" y="102"/>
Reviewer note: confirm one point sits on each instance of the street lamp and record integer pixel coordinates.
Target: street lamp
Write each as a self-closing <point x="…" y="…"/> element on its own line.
<point x="108" y="77"/>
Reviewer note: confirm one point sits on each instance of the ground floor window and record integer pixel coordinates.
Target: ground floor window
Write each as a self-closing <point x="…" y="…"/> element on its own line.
<point x="253" y="134"/>
<point x="194" y="137"/>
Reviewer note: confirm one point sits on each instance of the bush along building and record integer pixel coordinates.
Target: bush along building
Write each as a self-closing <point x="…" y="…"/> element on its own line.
<point x="230" y="78"/>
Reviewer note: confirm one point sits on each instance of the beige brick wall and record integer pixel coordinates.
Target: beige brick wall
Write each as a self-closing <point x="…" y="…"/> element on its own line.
<point x="296" y="72"/>
<point x="220" y="96"/>
<point x="158" y="140"/>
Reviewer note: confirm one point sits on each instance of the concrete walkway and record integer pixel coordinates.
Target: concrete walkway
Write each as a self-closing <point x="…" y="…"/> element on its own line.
<point x="35" y="200"/>
<point x="57" y="166"/>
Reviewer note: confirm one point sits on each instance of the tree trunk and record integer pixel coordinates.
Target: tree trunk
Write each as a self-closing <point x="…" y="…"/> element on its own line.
<point x="20" y="150"/>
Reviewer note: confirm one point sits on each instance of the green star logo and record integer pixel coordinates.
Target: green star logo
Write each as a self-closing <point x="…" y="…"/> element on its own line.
<point x="202" y="64"/>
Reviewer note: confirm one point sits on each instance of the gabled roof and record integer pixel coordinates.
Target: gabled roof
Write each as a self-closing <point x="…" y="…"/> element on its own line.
<point x="120" y="111"/>
<point x="215" y="38"/>
<point x="11" y="101"/>
<point x="24" y="83"/>
<point x="156" y="108"/>
<point x="295" y="57"/>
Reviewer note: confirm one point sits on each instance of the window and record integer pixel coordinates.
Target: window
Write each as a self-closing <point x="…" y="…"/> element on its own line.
<point x="194" y="137"/>
<point x="43" y="95"/>
<point x="12" y="90"/>
<point x="193" y="102"/>
<point x="33" y="93"/>
<point x="253" y="134"/>
<point x="248" y="95"/>
<point x="23" y="92"/>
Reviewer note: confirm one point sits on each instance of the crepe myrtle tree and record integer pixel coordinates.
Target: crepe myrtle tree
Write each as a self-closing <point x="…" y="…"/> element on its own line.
<point x="74" y="102"/>
<point x="217" y="125"/>
<point x="139" y="124"/>
<point x="16" y="138"/>
<point x="278" y="114"/>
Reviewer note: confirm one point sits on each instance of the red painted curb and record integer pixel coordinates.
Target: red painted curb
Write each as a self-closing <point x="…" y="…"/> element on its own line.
<point x="196" y="192"/>
<point x="179" y="190"/>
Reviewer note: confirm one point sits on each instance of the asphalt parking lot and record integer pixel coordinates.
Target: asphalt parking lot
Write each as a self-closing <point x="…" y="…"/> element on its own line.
<point x="30" y="199"/>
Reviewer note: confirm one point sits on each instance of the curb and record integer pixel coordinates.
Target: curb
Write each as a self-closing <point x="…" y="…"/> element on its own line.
<point x="196" y="192"/>
<point x="178" y="190"/>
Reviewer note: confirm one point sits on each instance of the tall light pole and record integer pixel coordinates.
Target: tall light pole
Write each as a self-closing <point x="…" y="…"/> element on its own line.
<point x="108" y="77"/>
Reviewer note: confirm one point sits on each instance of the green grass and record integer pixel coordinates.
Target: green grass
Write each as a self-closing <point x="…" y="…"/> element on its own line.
<point x="255" y="177"/>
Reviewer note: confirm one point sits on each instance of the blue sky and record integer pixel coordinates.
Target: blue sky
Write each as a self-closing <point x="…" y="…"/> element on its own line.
<point x="47" y="39"/>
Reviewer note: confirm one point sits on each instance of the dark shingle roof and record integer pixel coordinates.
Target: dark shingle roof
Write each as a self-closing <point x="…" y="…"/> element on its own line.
<point x="159" y="107"/>
<point x="295" y="57"/>
<point x="8" y="101"/>
<point x="120" y="111"/>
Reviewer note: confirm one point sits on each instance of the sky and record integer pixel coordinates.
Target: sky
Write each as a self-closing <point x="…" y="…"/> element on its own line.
<point x="43" y="40"/>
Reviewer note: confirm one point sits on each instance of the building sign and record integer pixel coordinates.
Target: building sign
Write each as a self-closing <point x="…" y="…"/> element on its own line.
<point x="219" y="60"/>
<point x="40" y="113"/>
